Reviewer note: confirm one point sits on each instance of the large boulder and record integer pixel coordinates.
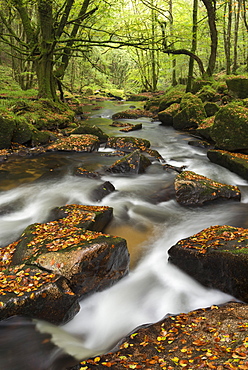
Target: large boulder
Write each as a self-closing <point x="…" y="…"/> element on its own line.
<point x="166" y="116"/>
<point x="133" y="163"/>
<point x="52" y="265"/>
<point x="172" y="95"/>
<point x="235" y="162"/>
<point x="22" y="132"/>
<point x="194" y="189"/>
<point x="216" y="257"/>
<point x="192" y="113"/>
<point x="76" y="143"/>
<point x="204" y="128"/>
<point x="230" y="128"/>
<point x="7" y="126"/>
<point x="92" y="130"/>
<point x="212" y="338"/>
<point x="127" y="143"/>
<point x="132" y="114"/>
<point x="238" y="86"/>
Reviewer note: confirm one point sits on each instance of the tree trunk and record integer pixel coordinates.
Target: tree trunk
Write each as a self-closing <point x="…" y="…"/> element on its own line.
<point x="193" y="47"/>
<point x="227" y="35"/>
<point x="46" y="80"/>
<point x="210" y="6"/>
<point x="235" y="43"/>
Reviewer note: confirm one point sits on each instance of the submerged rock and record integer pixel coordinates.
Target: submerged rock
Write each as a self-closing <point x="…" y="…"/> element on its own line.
<point x="235" y="162"/>
<point x="193" y="189"/>
<point x="52" y="265"/>
<point x="217" y="257"/>
<point x="133" y="163"/>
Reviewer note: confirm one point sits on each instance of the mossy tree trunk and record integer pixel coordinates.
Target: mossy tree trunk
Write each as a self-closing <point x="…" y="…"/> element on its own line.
<point x="193" y="46"/>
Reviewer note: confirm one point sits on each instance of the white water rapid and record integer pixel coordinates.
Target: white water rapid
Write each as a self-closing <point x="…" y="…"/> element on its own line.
<point x="153" y="287"/>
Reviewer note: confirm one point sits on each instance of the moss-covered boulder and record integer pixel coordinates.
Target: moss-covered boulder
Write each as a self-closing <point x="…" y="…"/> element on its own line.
<point x="230" y="128"/>
<point x="238" y="86"/>
<point x="211" y="108"/>
<point x="22" y="132"/>
<point x="41" y="137"/>
<point x="7" y="126"/>
<point x="82" y="172"/>
<point x="210" y="338"/>
<point x="172" y="95"/>
<point x="133" y="163"/>
<point x="166" y="116"/>
<point x="217" y="257"/>
<point x="235" y="162"/>
<point x="132" y="114"/>
<point x="199" y="84"/>
<point x="204" y="128"/>
<point x="127" y="143"/>
<point x="76" y="143"/>
<point x="193" y="189"/>
<point x="92" y="130"/>
<point x="192" y="113"/>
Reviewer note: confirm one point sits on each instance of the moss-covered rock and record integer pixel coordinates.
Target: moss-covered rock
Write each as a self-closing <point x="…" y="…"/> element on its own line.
<point x="77" y="143"/>
<point x="194" y="189"/>
<point x="230" y="128"/>
<point x="204" y="128"/>
<point x="238" y="86"/>
<point x="7" y="126"/>
<point x="132" y="114"/>
<point x="199" y="84"/>
<point x="192" y="113"/>
<point x="92" y="130"/>
<point x="172" y="95"/>
<point x="211" y="108"/>
<point x="41" y="137"/>
<point x="133" y="163"/>
<point x="235" y="162"/>
<point x="127" y="144"/>
<point x="207" y="93"/>
<point x="166" y="116"/>
<point x="22" y="132"/>
<point x="216" y="257"/>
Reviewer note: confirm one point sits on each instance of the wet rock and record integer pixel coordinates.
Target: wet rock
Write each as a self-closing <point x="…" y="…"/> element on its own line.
<point x="82" y="172"/>
<point x="230" y="129"/>
<point x="28" y="291"/>
<point x="77" y="143"/>
<point x="132" y="163"/>
<point x="52" y="265"/>
<point x="127" y="144"/>
<point x="200" y="144"/>
<point x="166" y="116"/>
<point x="216" y="257"/>
<point x="193" y="189"/>
<point x="132" y="114"/>
<point x="201" y="339"/>
<point x="102" y="191"/>
<point x="235" y="162"/>
<point x="126" y="127"/>
<point x="91" y="130"/>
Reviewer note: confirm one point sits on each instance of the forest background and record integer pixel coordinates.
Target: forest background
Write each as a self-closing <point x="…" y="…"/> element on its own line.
<point x="112" y="45"/>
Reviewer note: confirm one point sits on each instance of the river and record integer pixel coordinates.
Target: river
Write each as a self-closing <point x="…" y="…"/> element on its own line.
<point x="31" y="187"/>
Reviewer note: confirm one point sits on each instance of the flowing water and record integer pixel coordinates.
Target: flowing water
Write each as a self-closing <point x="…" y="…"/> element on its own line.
<point x="30" y="188"/>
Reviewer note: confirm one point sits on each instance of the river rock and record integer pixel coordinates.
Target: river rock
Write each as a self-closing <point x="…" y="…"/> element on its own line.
<point x="166" y="116"/>
<point x="133" y="163"/>
<point x="235" y="162"/>
<point x="191" y="114"/>
<point x="76" y="143"/>
<point x="102" y="191"/>
<point x="194" y="189"/>
<point x="126" y="127"/>
<point x="238" y="86"/>
<point x="230" y="128"/>
<point x="127" y="143"/>
<point x="132" y="114"/>
<point x="204" y="128"/>
<point x="29" y="291"/>
<point x="212" y="338"/>
<point x="7" y="126"/>
<point x="216" y="257"/>
<point x="92" y="130"/>
<point x="82" y="172"/>
<point x="60" y="261"/>
<point x="172" y="95"/>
